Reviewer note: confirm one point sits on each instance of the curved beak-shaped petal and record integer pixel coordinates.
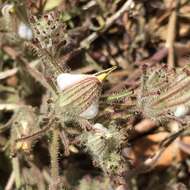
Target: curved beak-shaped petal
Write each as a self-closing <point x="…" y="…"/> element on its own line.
<point x="65" y="80"/>
<point x="81" y="92"/>
<point x="104" y="74"/>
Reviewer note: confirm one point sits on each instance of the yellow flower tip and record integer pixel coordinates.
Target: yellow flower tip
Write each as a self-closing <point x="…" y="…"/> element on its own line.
<point x="25" y="147"/>
<point x="22" y="146"/>
<point x="18" y="145"/>
<point x="12" y="10"/>
<point x="101" y="76"/>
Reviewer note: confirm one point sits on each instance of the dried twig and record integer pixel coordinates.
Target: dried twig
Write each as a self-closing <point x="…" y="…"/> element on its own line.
<point x="8" y="73"/>
<point x="150" y="163"/>
<point x="92" y="37"/>
<point x="171" y="38"/>
<point x="10" y="107"/>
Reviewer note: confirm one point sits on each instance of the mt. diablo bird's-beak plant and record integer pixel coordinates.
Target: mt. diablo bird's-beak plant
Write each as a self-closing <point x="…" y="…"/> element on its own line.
<point x="69" y="108"/>
<point x="77" y="102"/>
<point x="72" y="98"/>
<point x="164" y="94"/>
<point x="77" y="99"/>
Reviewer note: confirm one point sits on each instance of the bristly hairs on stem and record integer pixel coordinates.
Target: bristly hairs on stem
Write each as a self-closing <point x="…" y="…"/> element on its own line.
<point x="54" y="151"/>
<point x="117" y="96"/>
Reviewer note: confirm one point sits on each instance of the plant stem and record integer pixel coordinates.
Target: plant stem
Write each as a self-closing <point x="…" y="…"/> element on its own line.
<point x="54" y="150"/>
<point x="16" y="170"/>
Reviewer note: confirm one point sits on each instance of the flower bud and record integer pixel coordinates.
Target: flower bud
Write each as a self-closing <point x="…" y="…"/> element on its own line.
<point x="181" y="111"/>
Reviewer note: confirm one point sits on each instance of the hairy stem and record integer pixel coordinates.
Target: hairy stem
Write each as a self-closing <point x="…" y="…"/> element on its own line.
<point x="120" y="95"/>
<point x="54" y="150"/>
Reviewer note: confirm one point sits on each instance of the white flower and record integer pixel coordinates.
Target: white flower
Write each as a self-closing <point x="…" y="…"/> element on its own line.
<point x="181" y="111"/>
<point x="81" y="92"/>
<point x="66" y="80"/>
<point x="24" y="31"/>
<point x="91" y="111"/>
